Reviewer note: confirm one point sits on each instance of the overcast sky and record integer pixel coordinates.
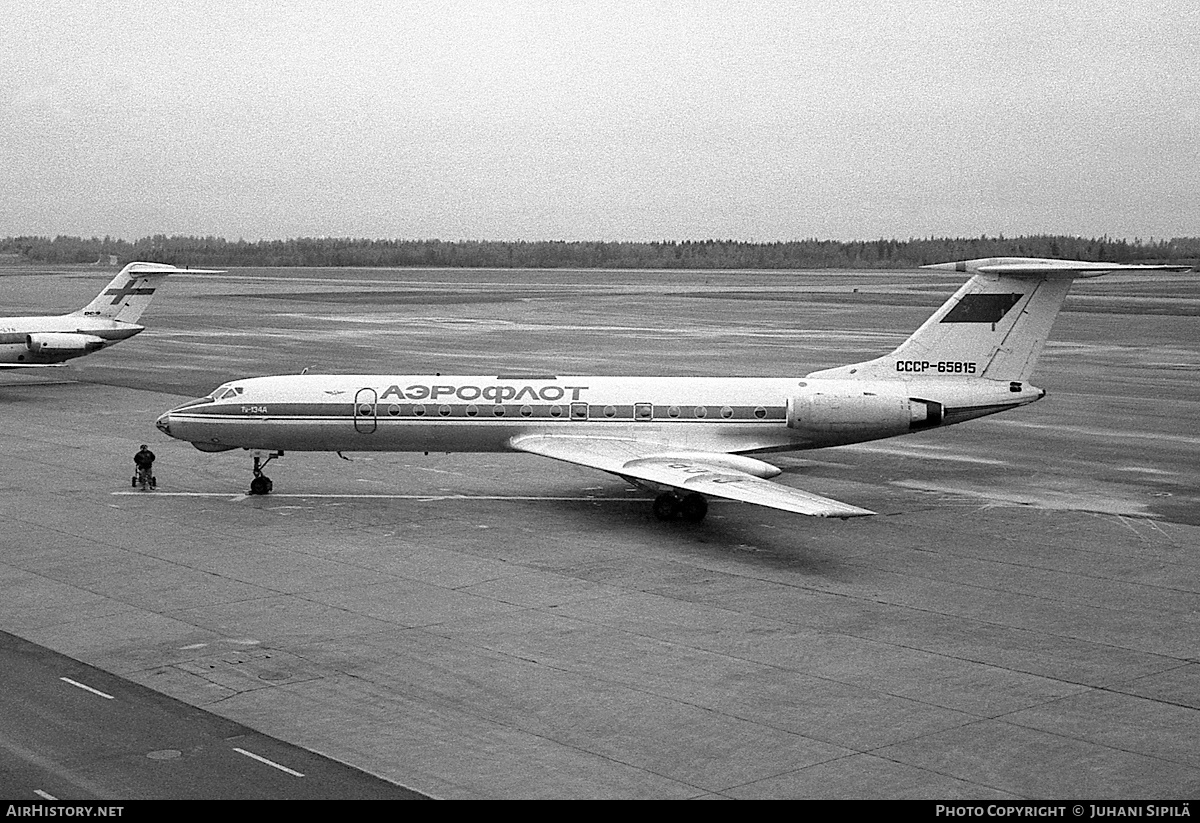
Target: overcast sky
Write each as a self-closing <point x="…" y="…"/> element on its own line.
<point x="596" y="120"/>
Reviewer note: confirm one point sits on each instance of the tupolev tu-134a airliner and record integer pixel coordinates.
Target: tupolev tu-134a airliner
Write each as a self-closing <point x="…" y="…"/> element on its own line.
<point x="38" y="342"/>
<point x="684" y="437"/>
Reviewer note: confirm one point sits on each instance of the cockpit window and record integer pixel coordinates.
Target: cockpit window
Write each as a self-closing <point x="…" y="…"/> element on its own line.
<point x="232" y="391"/>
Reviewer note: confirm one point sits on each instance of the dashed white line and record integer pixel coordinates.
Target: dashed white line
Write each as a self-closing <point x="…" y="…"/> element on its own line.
<point x="87" y="688"/>
<point x="44" y="795"/>
<point x="272" y="763"/>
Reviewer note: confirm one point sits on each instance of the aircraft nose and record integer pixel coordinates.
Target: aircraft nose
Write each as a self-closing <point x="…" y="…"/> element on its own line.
<point x="164" y="423"/>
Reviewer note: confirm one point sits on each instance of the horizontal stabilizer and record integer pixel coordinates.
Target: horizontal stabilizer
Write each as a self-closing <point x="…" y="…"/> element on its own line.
<point x="1042" y="267"/>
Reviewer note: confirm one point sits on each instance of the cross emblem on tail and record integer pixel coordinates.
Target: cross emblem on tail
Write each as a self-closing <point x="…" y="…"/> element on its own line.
<point x="128" y="290"/>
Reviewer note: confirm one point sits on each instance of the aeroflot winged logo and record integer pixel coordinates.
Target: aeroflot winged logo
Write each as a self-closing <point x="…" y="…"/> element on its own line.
<point x="495" y="394"/>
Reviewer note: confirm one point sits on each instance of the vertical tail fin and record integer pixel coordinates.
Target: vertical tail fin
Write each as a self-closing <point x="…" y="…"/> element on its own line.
<point x="129" y="293"/>
<point x="994" y="327"/>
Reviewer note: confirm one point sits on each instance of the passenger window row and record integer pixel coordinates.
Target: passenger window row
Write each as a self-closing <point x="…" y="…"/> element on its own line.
<point x="578" y="411"/>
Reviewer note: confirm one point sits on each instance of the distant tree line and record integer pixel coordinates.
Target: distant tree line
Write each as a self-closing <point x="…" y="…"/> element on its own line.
<point x="666" y="254"/>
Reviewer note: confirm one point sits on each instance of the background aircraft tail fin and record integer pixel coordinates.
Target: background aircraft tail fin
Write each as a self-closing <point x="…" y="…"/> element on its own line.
<point x="130" y="292"/>
<point x="994" y="326"/>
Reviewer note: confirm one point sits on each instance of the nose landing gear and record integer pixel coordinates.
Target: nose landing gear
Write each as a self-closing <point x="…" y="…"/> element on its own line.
<point x="690" y="507"/>
<point x="261" y="484"/>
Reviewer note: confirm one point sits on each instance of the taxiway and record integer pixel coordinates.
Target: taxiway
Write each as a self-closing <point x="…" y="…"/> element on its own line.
<point x="1020" y="621"/>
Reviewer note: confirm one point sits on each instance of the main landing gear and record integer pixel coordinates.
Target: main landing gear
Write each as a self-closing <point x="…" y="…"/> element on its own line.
<point x="690" y="507"/>
<point x="261" y="484"/>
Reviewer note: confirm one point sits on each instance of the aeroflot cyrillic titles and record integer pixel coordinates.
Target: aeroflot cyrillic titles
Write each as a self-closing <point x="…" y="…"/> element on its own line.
<point x="493" y="393"/>
<point x="685" y="437"/>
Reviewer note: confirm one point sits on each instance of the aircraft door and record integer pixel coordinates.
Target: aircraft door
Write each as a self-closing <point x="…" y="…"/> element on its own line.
<point x="365" y="406"/>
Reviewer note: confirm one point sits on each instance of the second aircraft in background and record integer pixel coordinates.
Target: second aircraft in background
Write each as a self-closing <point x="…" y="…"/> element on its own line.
<point x="37" y="342"/>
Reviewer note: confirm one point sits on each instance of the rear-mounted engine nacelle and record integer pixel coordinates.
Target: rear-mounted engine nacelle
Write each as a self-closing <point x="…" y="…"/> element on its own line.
<point x="847" y="412"/>
<point x="59" y="342"/>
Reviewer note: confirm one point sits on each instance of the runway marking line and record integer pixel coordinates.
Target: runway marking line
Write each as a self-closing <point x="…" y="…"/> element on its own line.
<point x="44" y="795"/>
<point x="87" y="688"/>
<point x="272" y="763"/>
<point x="236" y="496"/>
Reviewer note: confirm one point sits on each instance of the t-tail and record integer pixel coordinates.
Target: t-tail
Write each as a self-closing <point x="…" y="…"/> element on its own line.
<point x="993" y="328"/>
<point x="129" y="294"/>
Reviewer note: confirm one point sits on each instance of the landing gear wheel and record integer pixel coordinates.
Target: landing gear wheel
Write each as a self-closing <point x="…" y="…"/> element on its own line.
<point x="693" y="507"/>
<point x="666" y="506"/>
<point x="261" y="484"/>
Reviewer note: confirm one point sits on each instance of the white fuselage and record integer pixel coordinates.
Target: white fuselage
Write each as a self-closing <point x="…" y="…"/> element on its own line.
<point x="49" y="340"/>
<point x="486" y="413"/>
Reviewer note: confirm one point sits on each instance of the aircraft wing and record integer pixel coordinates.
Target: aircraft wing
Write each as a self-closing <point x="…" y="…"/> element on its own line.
<point x="710" y="473"/>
